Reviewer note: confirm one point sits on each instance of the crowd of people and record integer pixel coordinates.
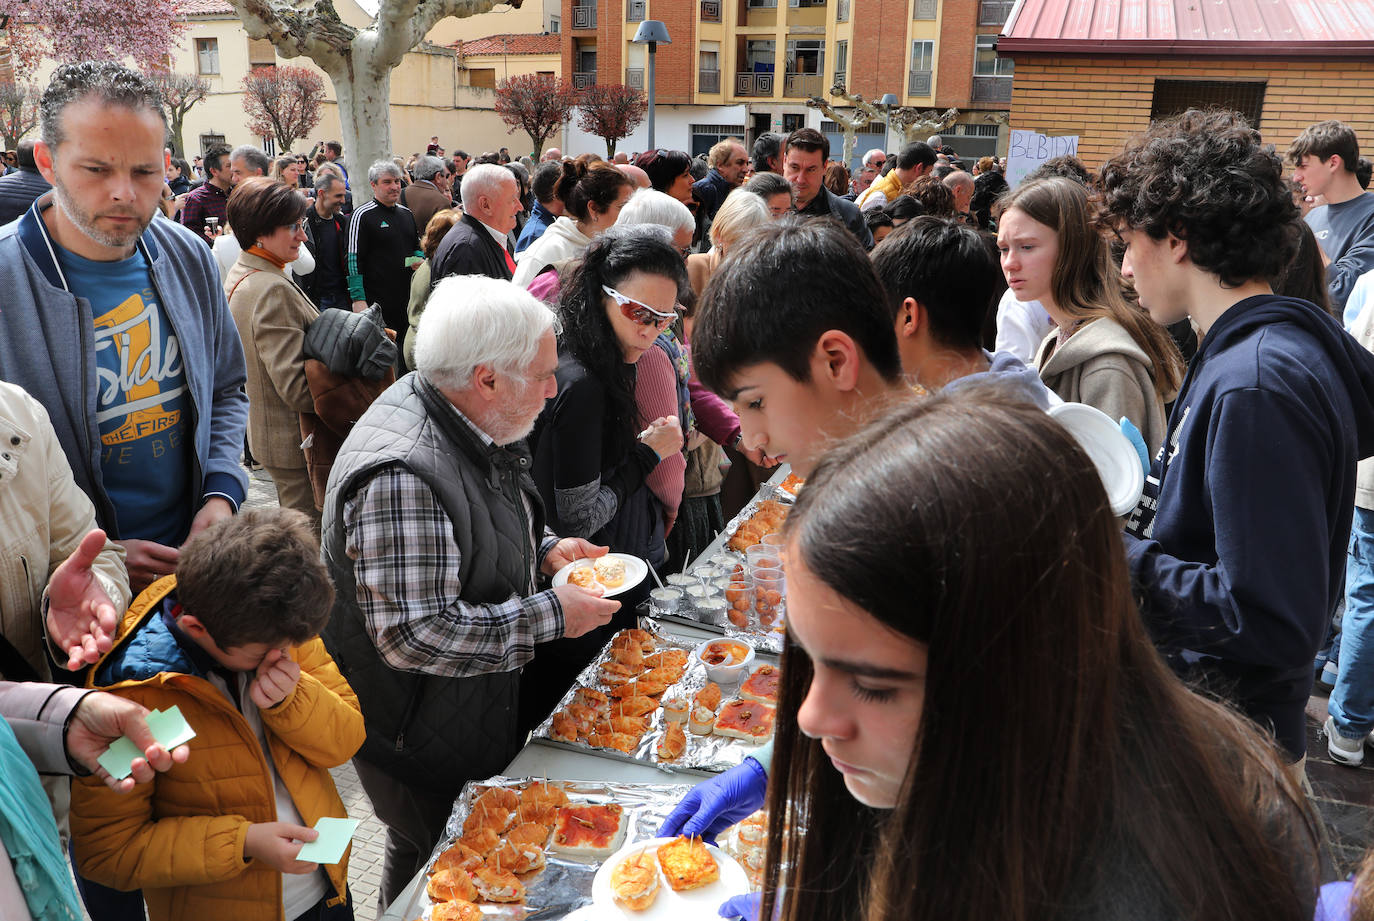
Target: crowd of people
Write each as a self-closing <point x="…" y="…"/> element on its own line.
<point x="999" y="698"/>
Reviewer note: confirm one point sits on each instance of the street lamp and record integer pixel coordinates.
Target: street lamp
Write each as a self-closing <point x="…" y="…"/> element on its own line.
<point x="651" y="32"/>
<point x="887" y="102"/>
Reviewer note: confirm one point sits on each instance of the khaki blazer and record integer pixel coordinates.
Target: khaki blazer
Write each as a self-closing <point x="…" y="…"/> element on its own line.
<point x="272" y="315"/>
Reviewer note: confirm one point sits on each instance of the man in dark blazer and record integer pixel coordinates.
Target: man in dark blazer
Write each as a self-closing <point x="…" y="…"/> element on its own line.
<point x="480" y="243"/>
<point x="428" y="194"/>
<point x="805" y="153"/>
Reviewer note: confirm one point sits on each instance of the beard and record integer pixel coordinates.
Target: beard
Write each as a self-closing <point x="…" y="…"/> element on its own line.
<point x="511" y="423"/>
<point x="85" y="220"/>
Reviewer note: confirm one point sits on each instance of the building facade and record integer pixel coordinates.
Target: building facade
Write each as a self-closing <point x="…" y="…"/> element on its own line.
<point x="743" y="67"/>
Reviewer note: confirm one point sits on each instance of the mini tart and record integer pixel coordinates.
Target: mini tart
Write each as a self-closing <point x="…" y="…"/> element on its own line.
<point x="447" y="885"/>
<point x="634" y="882"/>
<point x="458" y="857"/>
<point x="701" y="721"/>
<point x="498" y="885"/>
<point x="675" y="709"/>
<point x="687" y="864"/>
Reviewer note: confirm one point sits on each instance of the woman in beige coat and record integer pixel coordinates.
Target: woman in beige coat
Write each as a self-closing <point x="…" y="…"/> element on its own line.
<point x="272" y="315"/>
<point x="1103" y="351"/>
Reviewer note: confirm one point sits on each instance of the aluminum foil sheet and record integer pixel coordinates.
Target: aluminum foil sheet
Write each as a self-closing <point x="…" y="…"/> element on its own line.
<point x="564" y="884"/>
<point x="703" y="753"/>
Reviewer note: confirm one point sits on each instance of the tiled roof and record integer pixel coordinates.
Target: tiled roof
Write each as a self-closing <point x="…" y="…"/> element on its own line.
<point x="204" y="8"/>
<point x="1322" y="28"/>
<point x="536" y="43"/>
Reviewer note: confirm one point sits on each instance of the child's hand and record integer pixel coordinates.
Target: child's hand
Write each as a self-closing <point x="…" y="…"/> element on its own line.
<point x="277" y="844"/>
<point x="276" y="677"/>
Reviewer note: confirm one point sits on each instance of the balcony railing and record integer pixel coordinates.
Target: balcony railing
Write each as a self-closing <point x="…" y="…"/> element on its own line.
<point x="801" y="85"/>
<point x="708" y="81"/>
<point x="918" y="83"/>
<point x="842" y="11"/>
<point x="634" y="77"/>
<point x="635" y="10"/>
<point x="582" y="80"/>
<point x="992" y="89"/>
<point x="994" y="12"/>
<point x="710" y="10"/>
<point x="747" y="84"/>
<point x="926" y="9"/>
<point x="584" y="16"/>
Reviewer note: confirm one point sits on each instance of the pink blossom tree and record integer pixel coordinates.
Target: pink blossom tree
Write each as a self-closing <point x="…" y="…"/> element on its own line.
<point x="92" y="30"/>
<point x="181" y="93"/>
<point x="282" y="102"/>
<point x="18" y="112"/>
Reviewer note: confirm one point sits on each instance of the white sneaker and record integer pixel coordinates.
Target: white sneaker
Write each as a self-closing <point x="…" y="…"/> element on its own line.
<point x="1349" y="752"/>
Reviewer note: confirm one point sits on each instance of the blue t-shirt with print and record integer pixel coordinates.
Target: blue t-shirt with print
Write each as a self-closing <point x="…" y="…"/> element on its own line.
<point x="143" y="404"/>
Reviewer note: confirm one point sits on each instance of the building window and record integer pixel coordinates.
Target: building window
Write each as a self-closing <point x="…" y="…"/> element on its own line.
<point x="763" y="4"/>
<point x="704" y="137"/>
<point x="841" y="63"/>
<point x="792" y="123"/>
<point x="555" y="25"/>
<point x="986" y="63"/>
<point x="482" y="78"/>
<point x="1174" y="97"/>
<point x="922" y="64"/>
<point x="261" y="53"/>
<point x="207" y="55"/>
<point x="210" y="140"/>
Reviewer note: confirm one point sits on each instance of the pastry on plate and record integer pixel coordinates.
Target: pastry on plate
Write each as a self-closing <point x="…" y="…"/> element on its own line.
<point x="610" y="571"/>
<point x="634" y="706"/>
<point x="500" y="797"/>
<point x="517" y="858"/>
<point x="673" y="743"/>
<point x="447" y="885"/>
<point x="630" y="725"/>
<point x="529" y="833"/>
<point x="498" y="885"/>
<point x="634" y="882"/>
<point x="458" y="857"/>
<point x="687" y="864"/>
<point x="589" y="830"/>
<point x="620" y="741"/>
<point x="484" y="815"/>
<point x="762" y="685"/>
<point x="457" y="910"/>
<point x="563" y="728"/>
<point x="483" y="841"/>
<point x="584" y="577"/>
<point x="628" y="655"/>
<point x="591" y="697"/>
<point x="668" y="658"/>
<point x="746" y="719"/>
<point x="541" y="792"/>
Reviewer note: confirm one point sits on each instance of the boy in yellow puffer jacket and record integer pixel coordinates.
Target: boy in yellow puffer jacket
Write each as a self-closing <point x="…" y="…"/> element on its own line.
<point x="232" y="639"/>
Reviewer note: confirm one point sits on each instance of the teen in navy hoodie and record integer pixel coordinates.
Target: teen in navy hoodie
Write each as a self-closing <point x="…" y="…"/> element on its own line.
<point x="1238" y="545"/>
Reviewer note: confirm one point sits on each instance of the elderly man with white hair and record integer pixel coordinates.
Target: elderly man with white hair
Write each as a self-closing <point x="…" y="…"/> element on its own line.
<point x="480" y="243"/>
<point x="435" y="539"/>
<point x="381" y="250"/>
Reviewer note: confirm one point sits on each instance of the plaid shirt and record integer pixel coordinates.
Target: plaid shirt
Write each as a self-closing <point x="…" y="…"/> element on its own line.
<point x="406" y="569"/>
<point x="202" y="202"/>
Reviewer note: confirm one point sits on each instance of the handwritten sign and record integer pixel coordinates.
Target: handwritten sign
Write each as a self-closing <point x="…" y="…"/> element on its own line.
<point x="1028" y="149"/>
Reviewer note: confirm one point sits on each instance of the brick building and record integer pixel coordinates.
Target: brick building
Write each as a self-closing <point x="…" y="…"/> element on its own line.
<point x="742" y="67"/>
<point x="1102" y="69"/>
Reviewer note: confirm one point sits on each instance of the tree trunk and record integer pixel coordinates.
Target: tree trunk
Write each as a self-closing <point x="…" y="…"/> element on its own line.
<point x="610" y="148"/>
<point x="174" y="136"/>
<point x="365" y="113"/>
<point x="851" y="142"/>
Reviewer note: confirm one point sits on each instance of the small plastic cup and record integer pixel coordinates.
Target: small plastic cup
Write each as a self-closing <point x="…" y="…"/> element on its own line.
<point x="768" y="598"/>
<point x="773" y="540"/>
<point x="762" y="556"/>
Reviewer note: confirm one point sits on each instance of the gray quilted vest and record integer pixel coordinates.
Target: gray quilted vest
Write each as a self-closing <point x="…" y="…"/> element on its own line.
<point x="434" y="732"/>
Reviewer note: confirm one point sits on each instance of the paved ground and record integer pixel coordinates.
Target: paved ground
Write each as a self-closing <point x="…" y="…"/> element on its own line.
<point x="365" y="864"/>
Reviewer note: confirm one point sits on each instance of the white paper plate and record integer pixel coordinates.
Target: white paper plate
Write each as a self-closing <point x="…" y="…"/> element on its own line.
<point x="635" y="572"/>
<point x="1112" y="453"/>
<point x="693" y="905"/>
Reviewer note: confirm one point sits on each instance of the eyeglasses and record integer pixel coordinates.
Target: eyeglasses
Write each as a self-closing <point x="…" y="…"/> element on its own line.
<point x="298" y="227"/>
<point x="639" y="311"/>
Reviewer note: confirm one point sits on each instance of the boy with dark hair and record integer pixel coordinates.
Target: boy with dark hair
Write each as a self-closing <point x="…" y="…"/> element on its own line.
<point x="805" y="153"/>
<point x="1325" y="158"/>
<point x="1238" y="544"/>
<point x="232" y="640"/>
<point x="794" y="331"/>
<point x="940" y="282"/>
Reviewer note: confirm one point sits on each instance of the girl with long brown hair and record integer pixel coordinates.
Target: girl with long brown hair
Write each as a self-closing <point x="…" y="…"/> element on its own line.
<point x="973" y="723"/>
<point x="1103" y="351"/>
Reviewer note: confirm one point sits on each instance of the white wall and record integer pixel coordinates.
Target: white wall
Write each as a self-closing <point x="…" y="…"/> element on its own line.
<point x="671" y="129"/>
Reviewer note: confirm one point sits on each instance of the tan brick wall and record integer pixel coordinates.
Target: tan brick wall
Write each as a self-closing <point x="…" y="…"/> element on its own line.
<point x="675" y="76"/>
<point x="1107" y="100"/>
<point x="954" y="54"/>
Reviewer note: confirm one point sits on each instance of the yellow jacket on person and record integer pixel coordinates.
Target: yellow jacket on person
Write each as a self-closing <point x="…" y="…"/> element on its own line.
<point x="180" y="838"/>
<point x="890" y="185"/>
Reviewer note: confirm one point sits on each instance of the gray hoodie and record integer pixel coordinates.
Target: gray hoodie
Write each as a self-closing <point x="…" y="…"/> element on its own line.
<point x="1102" y="366"/>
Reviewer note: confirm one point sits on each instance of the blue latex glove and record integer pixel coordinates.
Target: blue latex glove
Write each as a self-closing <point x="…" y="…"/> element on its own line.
<point x="1137" y="441"/>
<point x="742" y="906"/>
<point x="715" y="805"/>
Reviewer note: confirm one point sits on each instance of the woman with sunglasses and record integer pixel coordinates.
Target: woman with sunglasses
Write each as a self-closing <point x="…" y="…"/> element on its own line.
<point x="592" y="450"/>
<point x="1061" y="774"/>
<point x="272" y="315"/>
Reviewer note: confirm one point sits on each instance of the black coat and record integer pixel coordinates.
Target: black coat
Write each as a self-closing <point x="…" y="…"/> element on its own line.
<point x="469" y="249"/>
<point x="18" y="191"/>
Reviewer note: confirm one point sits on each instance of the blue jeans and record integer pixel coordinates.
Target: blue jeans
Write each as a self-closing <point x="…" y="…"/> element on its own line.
<point x="1352" y="702"/>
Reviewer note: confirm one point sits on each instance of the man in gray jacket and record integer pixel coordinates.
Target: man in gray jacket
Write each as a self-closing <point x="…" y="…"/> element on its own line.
<point x="117" y="324"/>
<point x="19" y="188"/>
